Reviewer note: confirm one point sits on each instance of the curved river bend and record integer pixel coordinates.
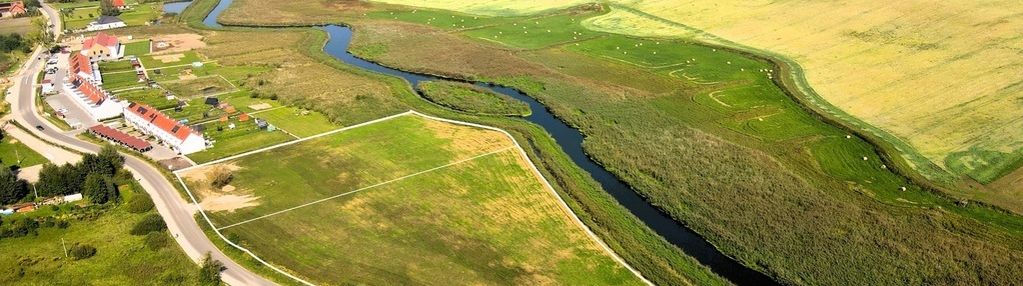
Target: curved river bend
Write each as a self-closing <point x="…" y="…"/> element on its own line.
<point x="570" y="140"/>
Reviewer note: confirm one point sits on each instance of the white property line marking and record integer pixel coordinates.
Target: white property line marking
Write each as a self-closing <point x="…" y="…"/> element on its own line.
<point x="369" y="187"/>
<point x="522" y="152"/>
<point x="293" y="142"/>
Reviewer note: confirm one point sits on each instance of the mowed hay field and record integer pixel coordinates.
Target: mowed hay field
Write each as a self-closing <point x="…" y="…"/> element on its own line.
<point x="433" y="203"/>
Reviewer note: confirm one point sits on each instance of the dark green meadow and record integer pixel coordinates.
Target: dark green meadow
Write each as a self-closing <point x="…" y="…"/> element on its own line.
<point x="717" y="144"/>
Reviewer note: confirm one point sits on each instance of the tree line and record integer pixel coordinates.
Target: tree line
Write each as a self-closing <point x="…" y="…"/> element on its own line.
<point x="95" y="177"/>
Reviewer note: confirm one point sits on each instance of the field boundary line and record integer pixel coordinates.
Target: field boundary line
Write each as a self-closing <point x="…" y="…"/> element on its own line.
<point x="369" y="187"/>
<point x="547" y="184"/>
<point x="232" y="157"/>
<point x="229" y="242"/>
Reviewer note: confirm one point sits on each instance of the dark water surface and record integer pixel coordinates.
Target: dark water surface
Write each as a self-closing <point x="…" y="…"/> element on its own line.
<point x="570" y="141"/>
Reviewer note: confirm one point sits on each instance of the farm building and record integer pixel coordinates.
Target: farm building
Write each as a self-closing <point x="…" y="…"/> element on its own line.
<point x="90" y="97"/>
<point x="102" y="47"/>
<point x="105" y="23"/>
<point x="81" y="66"/>
<point x="12" y="9"/>
<point x="175" y="135"/>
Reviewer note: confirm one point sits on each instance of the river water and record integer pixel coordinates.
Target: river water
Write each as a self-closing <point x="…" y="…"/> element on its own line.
<point x="570" y="140"/>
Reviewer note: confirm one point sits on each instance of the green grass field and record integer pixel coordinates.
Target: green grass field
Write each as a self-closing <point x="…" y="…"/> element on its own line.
<point x="20" y="26"/>
<point x="539" y="32"/>
<point x="152" y="96"/>
<point x="440" y="19"/>
<point x="487" y="220"/>
<point x="121" y="80"/>
<point x="150" y="62"/>
<point x="243" y="101"/>
<point x="137" y="49"/>
<point x="302" y="123"/>
<point x="472" y="99"/>
<point x="14" y="153"/>
<point x="115" y="67"/>
<point x="139" y="14"/>
<point x="199" y="87"/>
<point x="244" y="137"/>
<point x="121" y="258"/>
<point x="80" y="17"/>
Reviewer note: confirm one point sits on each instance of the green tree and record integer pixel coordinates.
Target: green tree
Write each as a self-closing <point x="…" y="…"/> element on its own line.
<point x="60" y="180"/>
<point x="99" y="188"/>
<point x="12" y="189"/>
<point x="109" y="154"/>
<point x="209" y="273"/>
<point x="107" y="8"/>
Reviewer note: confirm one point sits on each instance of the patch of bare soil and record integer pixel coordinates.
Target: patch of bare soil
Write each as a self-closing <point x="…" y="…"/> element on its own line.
<point x="176" y="43"/>
<point x="227" y="198"/>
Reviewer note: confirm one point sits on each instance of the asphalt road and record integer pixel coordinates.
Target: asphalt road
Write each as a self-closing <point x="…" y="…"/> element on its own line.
<point x="177" y="212"/>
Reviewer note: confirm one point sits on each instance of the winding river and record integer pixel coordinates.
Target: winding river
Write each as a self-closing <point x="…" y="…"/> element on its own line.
<point x="570" y="140"/>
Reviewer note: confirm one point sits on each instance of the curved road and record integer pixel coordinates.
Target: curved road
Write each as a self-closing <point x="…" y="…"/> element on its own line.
<point x="177" y="212"/>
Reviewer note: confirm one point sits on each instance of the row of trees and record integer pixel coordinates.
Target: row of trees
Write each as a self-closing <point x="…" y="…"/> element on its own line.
<point x="93" y="177"/>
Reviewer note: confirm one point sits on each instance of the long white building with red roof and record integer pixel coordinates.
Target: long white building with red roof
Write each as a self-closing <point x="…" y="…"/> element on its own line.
<point x="170" y="132"/>
<point x="90" y="97"/>
<point x="82" y="67"/>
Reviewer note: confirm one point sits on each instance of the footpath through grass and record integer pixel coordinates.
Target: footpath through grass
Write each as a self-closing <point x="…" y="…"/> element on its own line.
<point x="448" y="204"/>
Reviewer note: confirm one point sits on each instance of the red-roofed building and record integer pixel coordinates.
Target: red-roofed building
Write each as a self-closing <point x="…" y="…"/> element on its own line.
<point x="119" y="137"/>
<point x="92" y="98"/>
<point x="119" y="4"/>
<point x="81" y="66"/>
<point x="102" y="47"/>
<point x="172" y="133"/>
<point x="12" y="9"/>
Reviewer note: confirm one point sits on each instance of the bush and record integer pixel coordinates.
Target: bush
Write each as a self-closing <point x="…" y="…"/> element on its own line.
<point x="150" y="223"/>
<point x="82" y="251"/>
<point x="156" y="240"/>
<point x="139" y="203"/>
<point x="209" y="274"/>
<point x="219" y="177"/>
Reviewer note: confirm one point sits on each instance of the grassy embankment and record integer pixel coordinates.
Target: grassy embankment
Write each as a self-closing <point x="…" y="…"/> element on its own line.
<point x="651" y="254"/>
<point x="775" y="169"/>
<point x="472" y="99"/>
<point x="14" y="153"/>
<point x="505" y="228"/>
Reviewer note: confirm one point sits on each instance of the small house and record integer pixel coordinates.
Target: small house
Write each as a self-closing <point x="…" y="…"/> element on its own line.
<point x="102" y="47"/>
<point x="23" y="207"/>
<point x="12" y="9"/>
<point x="105" y="23"/>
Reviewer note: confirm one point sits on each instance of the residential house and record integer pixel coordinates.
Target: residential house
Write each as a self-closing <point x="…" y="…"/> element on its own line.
<point x="119" y="4"/>
<point x="102" y="47"/>
<point x="12" y="9"/>
<point x="105" y="23"/>
<point x="172" y="133"/>
<point x="93" y="99"/>
<point x="81" y="66"/>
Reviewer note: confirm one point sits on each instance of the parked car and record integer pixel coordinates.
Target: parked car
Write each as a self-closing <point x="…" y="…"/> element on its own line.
<point x="39" y="127"/>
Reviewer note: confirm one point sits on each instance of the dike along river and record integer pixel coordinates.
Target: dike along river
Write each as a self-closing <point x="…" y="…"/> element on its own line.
<point x="570" y="141"/>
